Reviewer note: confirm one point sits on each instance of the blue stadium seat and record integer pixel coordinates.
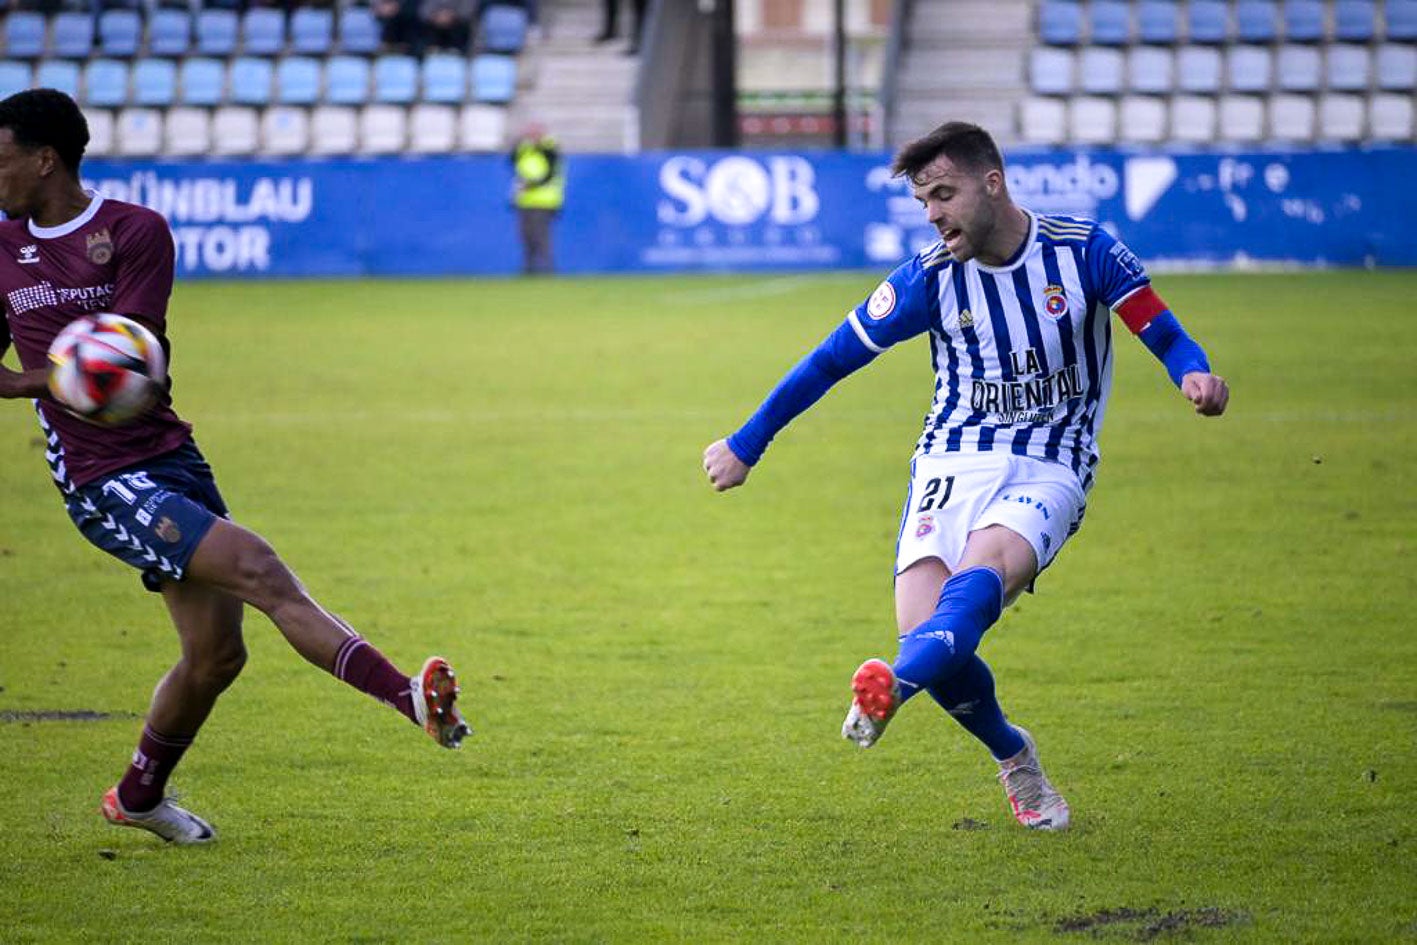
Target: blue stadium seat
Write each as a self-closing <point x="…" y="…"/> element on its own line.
<point x="14" y="77"/>
<point x="1251" y="68"/>
<point x="249" y="81"/>
<point x="395" y="79"/>
<point x="120" y="32"/>
<point x="201" y="81"/>
<point x="1198" y="70"/>
<point x="1207" y="22"/>
<point x="106" y="82"/>
<point x="1157" y="22"/>
<point x="494" y="78"/>
<point x="1150" y="70"/>
<point x="1100" y="70"/>
<point x="1060" y="23"/>
<point x="60" y="74"/>
<point x="72" y="36"/>
<point x="1303" y="21"/>
<point x="444" y="78"/>
<point x="1111" y="23"/>
<point x="154" y="82"/>
<point x="1298" y="69"/>
<point x="1256" y="21"/>
<point x="1354" y="21"/>
<point x="24" y="35"/>
<point x="298" y="80"/>
<point x="502" y="28"/>
<point x="358" y="32"/>
<point x="1050" y="71"/>
<point x="169" y="33"/>
<point x="1396" y="67"/>
<point x="1401" y="20"/>
<point x="1347" y="68"/>
<point x="216" y="32"/>
<point x="346" y="80"/>
<point x="312" y="31"/>
<point x="262" y="31"/>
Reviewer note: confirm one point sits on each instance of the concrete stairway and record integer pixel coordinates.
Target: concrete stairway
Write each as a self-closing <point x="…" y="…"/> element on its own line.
<point x="579" y="90"/>
<point x="963" y="60"/>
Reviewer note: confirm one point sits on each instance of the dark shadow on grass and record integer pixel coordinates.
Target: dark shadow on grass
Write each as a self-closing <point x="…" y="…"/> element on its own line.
<point x="1144" y="925"/>
<point x="61" y="715"/>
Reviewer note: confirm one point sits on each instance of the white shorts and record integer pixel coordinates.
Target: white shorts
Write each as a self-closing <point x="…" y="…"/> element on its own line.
<point x="951" y="496"/>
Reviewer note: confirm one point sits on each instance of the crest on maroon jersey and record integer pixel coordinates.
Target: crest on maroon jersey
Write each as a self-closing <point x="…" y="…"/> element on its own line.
<point x="99" y="247"/>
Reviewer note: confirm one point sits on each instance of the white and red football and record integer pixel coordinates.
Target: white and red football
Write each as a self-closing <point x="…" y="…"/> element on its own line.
<point x="106" y="369"/>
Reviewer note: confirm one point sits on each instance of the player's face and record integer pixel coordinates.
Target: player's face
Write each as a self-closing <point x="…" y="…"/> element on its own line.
<point x="959" y="203"/>
<point x="19" y="176"/>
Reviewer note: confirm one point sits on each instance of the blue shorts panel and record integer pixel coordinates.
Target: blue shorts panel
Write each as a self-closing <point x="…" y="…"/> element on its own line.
<point x="151" y="515"/>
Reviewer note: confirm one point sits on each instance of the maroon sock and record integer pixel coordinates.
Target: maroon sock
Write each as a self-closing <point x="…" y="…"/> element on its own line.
<point x="145" y="781"/>
<point x="366" y="669"/>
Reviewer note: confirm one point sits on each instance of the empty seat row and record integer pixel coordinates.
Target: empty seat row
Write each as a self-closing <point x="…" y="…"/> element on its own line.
<point x="1201" y="120"/>
<point x="259" y="31"/>
<point x="234" y="130"/>
<point x="294" y="80"/>
<point x="1119" y="23"/>
<point x="1205" y="69"/>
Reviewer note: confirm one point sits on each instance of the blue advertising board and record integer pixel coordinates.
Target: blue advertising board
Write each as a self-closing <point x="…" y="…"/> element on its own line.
<point x="714" y="210"/>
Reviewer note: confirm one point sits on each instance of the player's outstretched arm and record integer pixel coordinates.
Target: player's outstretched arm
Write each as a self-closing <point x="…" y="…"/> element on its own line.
<point x="1208" y="392"/>
<point x="725" y="470"/>
<point x="23" y="383"/>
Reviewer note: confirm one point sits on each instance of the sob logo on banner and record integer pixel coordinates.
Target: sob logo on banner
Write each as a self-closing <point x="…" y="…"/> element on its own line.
<point x="737" y="191"/>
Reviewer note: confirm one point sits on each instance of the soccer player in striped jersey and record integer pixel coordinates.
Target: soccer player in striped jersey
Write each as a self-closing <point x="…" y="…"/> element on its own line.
<point x="1016" y="308"/>
<point x="143" y="492"/>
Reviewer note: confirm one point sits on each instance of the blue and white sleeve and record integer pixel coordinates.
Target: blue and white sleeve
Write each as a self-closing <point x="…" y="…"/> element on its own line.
<point x="1122" y="283"/>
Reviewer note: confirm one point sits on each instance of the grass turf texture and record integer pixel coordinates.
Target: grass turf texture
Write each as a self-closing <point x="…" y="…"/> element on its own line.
<point x="1219" y="670"/>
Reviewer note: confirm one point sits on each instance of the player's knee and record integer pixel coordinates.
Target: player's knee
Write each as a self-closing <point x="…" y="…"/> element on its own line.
<point x="264" y="580"/>
<point x="223" y="666"/>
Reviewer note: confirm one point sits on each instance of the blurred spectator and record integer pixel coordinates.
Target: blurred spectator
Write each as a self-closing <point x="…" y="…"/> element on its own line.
<point x="610" y="22"/>
<point x="539" y="191"/>
<point x="398" y="25"/>
<point x="447" y="24"/>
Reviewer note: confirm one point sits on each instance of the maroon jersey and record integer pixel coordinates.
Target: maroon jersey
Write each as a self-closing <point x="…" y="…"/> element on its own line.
<point x="113" y="257"/>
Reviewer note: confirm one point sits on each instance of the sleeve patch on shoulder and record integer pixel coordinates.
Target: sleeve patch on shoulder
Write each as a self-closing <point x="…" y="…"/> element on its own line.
<point x="882" y="301"/>
<point x="1126" y="259"/>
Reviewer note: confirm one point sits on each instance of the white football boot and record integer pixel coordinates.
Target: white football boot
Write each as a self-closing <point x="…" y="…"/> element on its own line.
<point x="1035" y="802"/>
<point x="875" y="698"/>
<point x="169" y="821"/>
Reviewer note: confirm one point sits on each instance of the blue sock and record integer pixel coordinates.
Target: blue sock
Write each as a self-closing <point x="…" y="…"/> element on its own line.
<point x="968" y="696"/>
<point x="936" y="650"/>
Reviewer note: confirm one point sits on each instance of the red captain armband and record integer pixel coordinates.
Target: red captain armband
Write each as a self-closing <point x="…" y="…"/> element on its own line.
<point x="1138" y="309"/>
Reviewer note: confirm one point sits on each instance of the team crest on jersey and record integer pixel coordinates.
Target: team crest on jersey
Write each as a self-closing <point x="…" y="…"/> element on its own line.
<point x="28" y="254"/>
<point x="924" y="526"/>
<point x="882" y="301"/>
<point x="966" y="319"/>
<point x="99" y="247"/>
<point x="1055" y="301"/>
<point x="167" y="530"/>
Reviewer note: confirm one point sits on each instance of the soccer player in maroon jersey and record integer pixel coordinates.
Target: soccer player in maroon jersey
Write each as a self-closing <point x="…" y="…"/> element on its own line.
<point x="142" y="492"/>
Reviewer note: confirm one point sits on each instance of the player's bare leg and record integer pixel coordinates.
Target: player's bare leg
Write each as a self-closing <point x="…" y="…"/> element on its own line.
<point x="208" y="623"/>
<point x="244" y="564"/>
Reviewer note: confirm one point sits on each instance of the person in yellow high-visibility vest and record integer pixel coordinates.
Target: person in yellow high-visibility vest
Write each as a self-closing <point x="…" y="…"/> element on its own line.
<point x="539" y="191"/>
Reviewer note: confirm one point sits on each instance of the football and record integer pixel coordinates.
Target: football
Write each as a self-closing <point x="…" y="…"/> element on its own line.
<point x="106" y="369"/>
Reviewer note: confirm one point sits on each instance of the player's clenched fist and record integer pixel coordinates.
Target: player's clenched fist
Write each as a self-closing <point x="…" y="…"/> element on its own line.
<point x="725" y="470"/>
<point x="1208" y="392"/>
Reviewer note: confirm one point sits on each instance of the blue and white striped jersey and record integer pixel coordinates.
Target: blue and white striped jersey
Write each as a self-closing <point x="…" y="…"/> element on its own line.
<point x="1022" y="352"/>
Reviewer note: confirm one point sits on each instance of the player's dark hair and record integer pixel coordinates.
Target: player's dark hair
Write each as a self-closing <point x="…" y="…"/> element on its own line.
<point x="966" y="145"/>
<point x="47" y="118"/>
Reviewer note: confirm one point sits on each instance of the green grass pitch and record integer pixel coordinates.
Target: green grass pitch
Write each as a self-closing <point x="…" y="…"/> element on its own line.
<point x="1221" y="670"/>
